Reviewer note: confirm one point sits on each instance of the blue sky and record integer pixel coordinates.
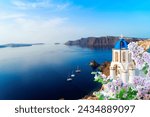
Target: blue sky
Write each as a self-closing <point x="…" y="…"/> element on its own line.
<point x="48" y="21"/>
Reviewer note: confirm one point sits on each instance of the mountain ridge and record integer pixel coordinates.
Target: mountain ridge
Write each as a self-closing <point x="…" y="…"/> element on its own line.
<point x="104" y="41"/>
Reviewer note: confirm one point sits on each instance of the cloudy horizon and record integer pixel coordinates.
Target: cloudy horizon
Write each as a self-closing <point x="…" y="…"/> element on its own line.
<point x="34" y="21"/>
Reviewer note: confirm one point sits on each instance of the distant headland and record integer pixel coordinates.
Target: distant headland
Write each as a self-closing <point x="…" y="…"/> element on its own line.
<point x="98" y="42"/>
<point x="13" y="45"/>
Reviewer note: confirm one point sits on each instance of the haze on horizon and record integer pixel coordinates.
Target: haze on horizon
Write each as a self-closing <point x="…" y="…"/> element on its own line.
<point x="33" y="21"/>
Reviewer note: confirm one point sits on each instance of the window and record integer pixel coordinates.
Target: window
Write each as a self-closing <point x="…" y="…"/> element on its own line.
<point x="116" y="70"/>
<point x="116" y="56"/>
<point x="124" y="56"/>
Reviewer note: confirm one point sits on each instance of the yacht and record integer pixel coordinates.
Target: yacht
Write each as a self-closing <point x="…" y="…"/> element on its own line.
<point x="78" y="70"/>
<point x="69" y="79"/>
<point x="72" y="75"/>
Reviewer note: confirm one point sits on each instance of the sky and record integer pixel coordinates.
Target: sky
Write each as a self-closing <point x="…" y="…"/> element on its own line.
<point x="49" y="21"/>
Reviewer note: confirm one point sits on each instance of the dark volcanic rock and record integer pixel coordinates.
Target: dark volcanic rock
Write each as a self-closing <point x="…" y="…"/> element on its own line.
<point x="94" y="64"/>
<point x="107" y="41"/>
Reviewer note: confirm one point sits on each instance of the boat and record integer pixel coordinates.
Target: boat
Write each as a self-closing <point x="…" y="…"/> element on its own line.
<point x="78" y="70"/>
<point x="73" y="75"/>
<point x="69" y="79"/>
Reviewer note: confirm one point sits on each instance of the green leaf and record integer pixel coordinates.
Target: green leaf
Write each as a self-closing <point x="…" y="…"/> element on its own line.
<point x="131" y="93"/>
<point x="100" y="80"/>
<point x="113" y="99"/>
<point x="122" y="92"/>
<point x="93" y="73"/>
<point x="145" y="68"/>
<point x="145" y="71"/>
<point x="101" y="97"/>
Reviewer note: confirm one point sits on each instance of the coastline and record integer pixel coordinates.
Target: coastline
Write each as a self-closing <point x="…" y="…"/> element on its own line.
<point x="105" y="70"/>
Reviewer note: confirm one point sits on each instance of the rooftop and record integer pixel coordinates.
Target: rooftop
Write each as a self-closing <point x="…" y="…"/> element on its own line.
<point x="121" y="44"/>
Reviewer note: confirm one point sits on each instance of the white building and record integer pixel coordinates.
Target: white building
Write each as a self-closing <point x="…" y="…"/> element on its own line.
<point x="122" y="66"/>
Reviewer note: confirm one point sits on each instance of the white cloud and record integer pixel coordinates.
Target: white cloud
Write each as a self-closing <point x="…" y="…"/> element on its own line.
<point x="31" y="5"/>
<point x="31" y="24"/>
<point x="23" y="30"/>
<point x="27" y="26"/>
<point x="62" y="6"/>
<point x="6" y="16"/>
<point x="25" y="5"/>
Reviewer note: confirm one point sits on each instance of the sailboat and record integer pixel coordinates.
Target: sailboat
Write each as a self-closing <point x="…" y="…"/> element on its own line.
<point x="78" y="70"/>
<point x="69" y="78"/>
<point x="72" y="75"/>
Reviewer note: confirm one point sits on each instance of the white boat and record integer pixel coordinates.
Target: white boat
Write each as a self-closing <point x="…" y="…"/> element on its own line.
<point x="69" y="79"/>
<point x="72" y="75"/>
<point x="78" y="70"/>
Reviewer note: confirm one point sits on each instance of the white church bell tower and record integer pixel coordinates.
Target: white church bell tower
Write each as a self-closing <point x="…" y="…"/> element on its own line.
<point x="122" y="66"/>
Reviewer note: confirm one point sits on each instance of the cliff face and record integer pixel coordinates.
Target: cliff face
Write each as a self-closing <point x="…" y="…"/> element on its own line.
<point x="145" y="44"/>
<point x="107" y="41"/>
<point x="105" y="68"/>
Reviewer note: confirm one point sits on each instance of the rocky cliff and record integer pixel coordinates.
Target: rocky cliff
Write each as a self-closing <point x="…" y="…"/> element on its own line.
<point x="145" y="44"/>
<point x="107" y="41"/>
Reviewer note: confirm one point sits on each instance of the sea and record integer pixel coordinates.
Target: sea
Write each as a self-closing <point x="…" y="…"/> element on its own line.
<point x="40" y="72"/>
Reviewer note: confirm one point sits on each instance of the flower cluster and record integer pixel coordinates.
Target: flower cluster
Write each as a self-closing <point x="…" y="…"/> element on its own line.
<point x="140" y="56"/>
<point x="101" y="78"/>
<point x="116" y="89"/>
<point x="142" y="61"/>
<point x="142" y="85"/>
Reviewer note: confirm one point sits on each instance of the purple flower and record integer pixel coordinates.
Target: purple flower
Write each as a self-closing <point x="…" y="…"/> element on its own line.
<point x="113" y="89"/>
<point x="140" y="49"/>
<point x="139" y="63"/>
<point x="146" y="57"/>
<point x="132" y="46"/>
<point x="148" y="74"/>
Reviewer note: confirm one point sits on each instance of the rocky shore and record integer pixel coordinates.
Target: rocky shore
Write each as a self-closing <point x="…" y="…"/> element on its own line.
<point x="104" y="68"/>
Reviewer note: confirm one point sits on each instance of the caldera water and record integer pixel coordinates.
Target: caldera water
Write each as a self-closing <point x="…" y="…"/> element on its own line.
<point x="40" y="72"/>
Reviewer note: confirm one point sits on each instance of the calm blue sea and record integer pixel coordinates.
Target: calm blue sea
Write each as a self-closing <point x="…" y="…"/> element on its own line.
<point x="40" y="72"/>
